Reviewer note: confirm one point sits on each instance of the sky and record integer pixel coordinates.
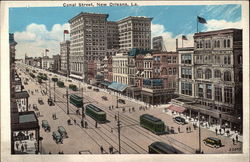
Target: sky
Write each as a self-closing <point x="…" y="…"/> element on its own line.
<point x="40" y="28"/>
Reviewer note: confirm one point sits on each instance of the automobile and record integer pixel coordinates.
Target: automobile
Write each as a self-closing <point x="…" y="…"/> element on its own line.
<point x="104" y="98"/>
<point x="96" y="89"/>
<point x="50" y="74"/>
<point x="121" y="101"/>
<point x="50" y="102"/>
<point x="69" y="80"/>
<point x="212" y="142"/>
<point x="62" y="131"/>
<point x="40" y="101"/>
<point x="57" y="137"/>
<point x="45" y="125"/>
<point x="89" y="87"/>
<point x="25" y="82"/>
<point x="179" y="120"/>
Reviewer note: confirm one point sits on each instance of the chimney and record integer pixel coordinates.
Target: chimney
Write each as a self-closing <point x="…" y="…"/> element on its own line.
<point x="177" y="44"/>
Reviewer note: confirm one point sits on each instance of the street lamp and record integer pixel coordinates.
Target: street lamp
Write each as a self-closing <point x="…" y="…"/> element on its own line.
<point x="40" y="139"/>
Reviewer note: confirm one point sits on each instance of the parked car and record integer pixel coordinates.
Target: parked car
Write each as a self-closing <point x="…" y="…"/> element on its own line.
<point x="121" y="101"/>
<point x="96" y="89"/>
<point x="104" y="98"/>
<point x="89" y="87"/>
<point x="45" y="125"/>
<point x="57" y="137"/>
<point x="62" y="131"/>
<point x="40" y="101"/>
<point x="212" y="142"/>
<point x="35" y="107"/>
<point x="179" y="120"/>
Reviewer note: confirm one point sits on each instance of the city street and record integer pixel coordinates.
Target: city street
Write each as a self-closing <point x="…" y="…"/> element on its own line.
<point x="134" y="138"/>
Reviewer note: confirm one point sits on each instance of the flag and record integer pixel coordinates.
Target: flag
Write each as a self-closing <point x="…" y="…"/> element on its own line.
<point x="66" y="32"/>
<point x="201" y="20"/>
<point x="184" y="37"/>
<point x="46" y="50"/>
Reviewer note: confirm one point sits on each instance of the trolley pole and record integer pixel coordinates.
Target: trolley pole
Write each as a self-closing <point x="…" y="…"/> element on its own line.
<point x="199" y="133"/>
<point x="82" y="104"/>
<point x="67" y="95"/>
<point x="46" y="88"/>
<point x="117" y="101"/>
<point x="119" y="134"/>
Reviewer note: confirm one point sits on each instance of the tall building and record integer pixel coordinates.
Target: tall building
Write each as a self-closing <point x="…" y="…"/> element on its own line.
<point x="64" y="52"/>
<point x="211" y="80"/>
<point x="112" y="35"/>
<point x="135" y="32"/>
<point x="56" y="63"/>
<point x="158" y="43"/>
<point x="88" y="41"/>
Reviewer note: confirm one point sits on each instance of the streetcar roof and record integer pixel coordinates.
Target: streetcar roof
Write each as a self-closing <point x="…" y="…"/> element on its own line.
<point x="150" y="117"/>
<point x="165" y="148"/>
<point x="93" y="107"/>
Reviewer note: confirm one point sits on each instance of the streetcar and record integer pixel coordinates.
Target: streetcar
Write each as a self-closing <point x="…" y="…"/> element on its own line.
<point x="153" y="124"/>
<point x="96" y="113"/>
<point x="76" y="100"/>
<point x="162" y="148"/>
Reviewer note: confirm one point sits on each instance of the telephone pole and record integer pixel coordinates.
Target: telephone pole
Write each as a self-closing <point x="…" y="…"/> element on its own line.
<point x="49" y="89"/>
<point x="119" y="134"/>
<point x="67" y="95"/>
<point x="54" y="91"/>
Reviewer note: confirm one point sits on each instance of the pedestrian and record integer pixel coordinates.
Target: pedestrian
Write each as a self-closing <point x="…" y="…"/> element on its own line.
<point x="25" y="146"/>
<point x="101" y="149"/>
<point x="220" y="131"/>
<point x="49" y="152"/>
<point x="216" y="131"/>
<point x="75" y="121"/>
<point x="237" y="138"/>
<point x="53" y="116"/>
<point x="133" y="109"/>
<point x="111" y="149"/>
<point x="82" y="124"/>
<point x="109" y="108"/>
<point x="96" y="124"/>
<point x="17" y="145"/>
<point x="86" y="124"/>
<point x="233" y="140"/>
<point x="115" y="117"/>
<point x="129" y="109"/>
<point x="179" y="129"/>
<point x="187" y="129"/>
<point x="22" y="148"/>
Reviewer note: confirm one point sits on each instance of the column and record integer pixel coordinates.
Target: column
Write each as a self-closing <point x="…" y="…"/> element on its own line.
<point x="190" y="113"/>
<point x="209" y="119"/>
<point x="27" y="104"/>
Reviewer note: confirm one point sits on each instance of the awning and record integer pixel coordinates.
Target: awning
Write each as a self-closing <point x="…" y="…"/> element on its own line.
<point x="22" y="94"/>
<point x="118" y="86"/>
<point x="76" y="76"/>
<point x="178" y="109"/>
<point x="105" y="83"/>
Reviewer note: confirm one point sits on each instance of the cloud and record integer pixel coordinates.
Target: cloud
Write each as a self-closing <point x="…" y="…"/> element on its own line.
<point x="221" y="24"/>
<point x="169" y="40"/>
<point x="36" y="38"/>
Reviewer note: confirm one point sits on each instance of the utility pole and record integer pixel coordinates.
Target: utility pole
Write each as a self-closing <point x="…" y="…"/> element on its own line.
<point x="82" y="105"/>
<point x="199" y="133"/>
<point x="49" y="89"/>
<point x="119" y="134"/>
<point x="67" y="95"/>
<point x="54" y="91"/>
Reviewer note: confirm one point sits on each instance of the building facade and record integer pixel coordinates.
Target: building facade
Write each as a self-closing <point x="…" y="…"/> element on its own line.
<point x="135" y="32"/>
<point x="88" y="41"/>
<point x="64" y="53"/>
<point x="158" y="43"/>
<point x="216" y="94"/>
<point x="57" y="63"/>
<point x="47" y="63"/>
<point x="112" y="35"/>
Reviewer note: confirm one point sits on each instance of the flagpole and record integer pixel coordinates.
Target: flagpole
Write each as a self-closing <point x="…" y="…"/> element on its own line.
<point x="63" y="36"/>
<point x="197" y="23"/>
<point x="182" y="42"/>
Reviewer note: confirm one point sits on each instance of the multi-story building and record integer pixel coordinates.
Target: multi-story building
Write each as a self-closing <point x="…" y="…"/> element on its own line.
<point x="112" y="35"/>
<point x="158" y="43"/>
<point x="47" y="63"/>
<point x="64" y="52"/>
<point x="88" y="41"/>
<point x="216" y="94"/>
<point x="135" y="32"/>
<point x="57" y="63"/>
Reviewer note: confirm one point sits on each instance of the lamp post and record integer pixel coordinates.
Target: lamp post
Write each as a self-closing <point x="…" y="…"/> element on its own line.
<point x="200" y="132"/>
<point x="40" y="139"/>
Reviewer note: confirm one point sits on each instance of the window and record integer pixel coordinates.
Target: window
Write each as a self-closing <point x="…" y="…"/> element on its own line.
<point x="169" y="59"/>
<point x="218" y="44"/>
<point x="218" y="94"/>
<point x="228" y="95"/>
<point x="164" y="71"/>
<point x="174" y="71"/>
<point x="186" y="59"/>
<point x="217" y="74"/>
<point x="174" y="59"/>
<point x="208" y="91"/>
<point x="208" y="74"/>
<point x="199" y="73"/>
<point x="186" y="88"/>
<point x="225" y="43"/>
<point x="227" y="76"/>
<point x="170" y="71"/>
<point x="228" y="43"/>
<point x="239" y="59"/>
<point x="217" y="59"/>
<point x="186" y="73"/>
<point x="214" y="44"/>
<point x="200" y="90"/>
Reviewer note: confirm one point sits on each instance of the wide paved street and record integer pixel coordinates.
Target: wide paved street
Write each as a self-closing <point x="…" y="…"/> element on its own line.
<point x="134" y="138"/>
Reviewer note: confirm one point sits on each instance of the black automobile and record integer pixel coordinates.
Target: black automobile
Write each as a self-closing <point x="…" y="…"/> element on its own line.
<point x="179" y="120"/>
<point x="121" y="101"/>
<point x="96" y="89"/>
<point x="104" y="98"/>
<point x="212" y="142"/>
<point x="45" y="125"/>
<point x="40" y="101"/>
<point x="57" y="137"/>
<point x="89" y="87"/>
